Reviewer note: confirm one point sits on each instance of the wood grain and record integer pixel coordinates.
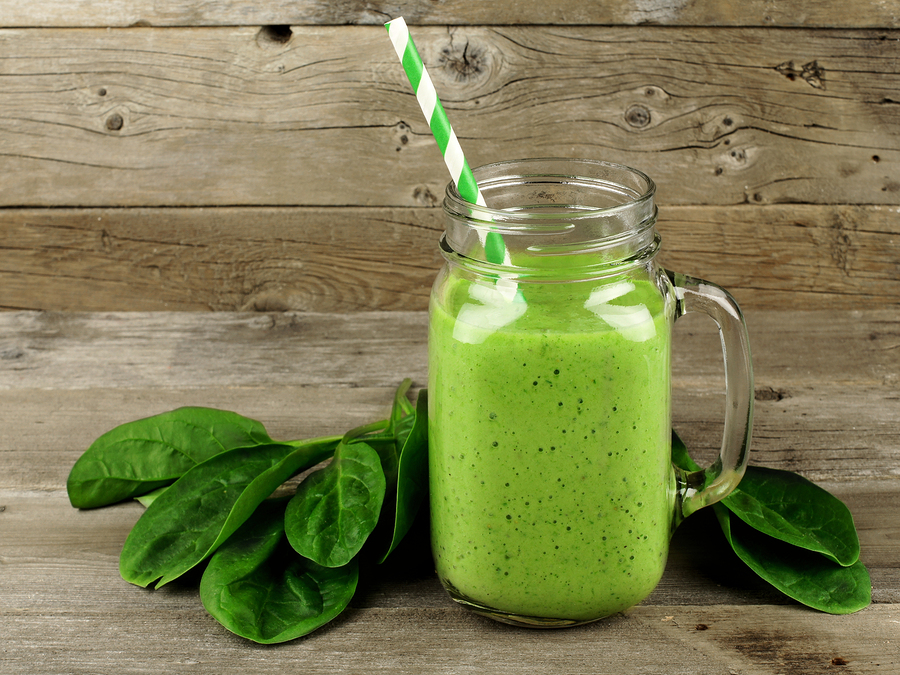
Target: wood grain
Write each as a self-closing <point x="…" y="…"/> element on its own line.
<point x="163" y="159"/>
<point x="60" y="350"/>
<point x="358" y="259"/>
<point x="826" y="406"/>
<point x="229" y="116"/>
<point x="814" y="371"/>
<point x="66" y="609"/>
<point x="810" y="13"/>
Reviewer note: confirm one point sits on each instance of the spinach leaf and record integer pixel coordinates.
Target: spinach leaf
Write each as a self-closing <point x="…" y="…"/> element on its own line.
<point x="791" y="508"/>
<point x="381" y="438"/>
<point x="402" y="407"/>
<point x="336" y="508"/>
<point x="412" y="478"/>
<point x="680" y="456"/>
<point x="140" y="456"/>
<point x="200" y="510"/>
<point x="147" y="499"/>
<point x="798" y="538"/>
<point x="805" y="576"/>
<point x="387" y="437"/>
<point x="259" y="588"/>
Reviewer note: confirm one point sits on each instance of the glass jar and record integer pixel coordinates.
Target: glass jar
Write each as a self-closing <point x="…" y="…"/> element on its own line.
<point x="552" y="489"/>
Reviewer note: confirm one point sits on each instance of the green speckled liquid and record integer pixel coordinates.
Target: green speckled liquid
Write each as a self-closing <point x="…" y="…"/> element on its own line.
<point x="551" y="478"/>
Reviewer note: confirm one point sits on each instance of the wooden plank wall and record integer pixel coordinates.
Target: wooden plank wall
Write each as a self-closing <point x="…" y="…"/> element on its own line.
<point x="230" y="155"/>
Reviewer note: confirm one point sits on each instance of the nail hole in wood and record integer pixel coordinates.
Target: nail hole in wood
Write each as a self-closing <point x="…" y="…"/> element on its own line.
<point x="280" y="35"/>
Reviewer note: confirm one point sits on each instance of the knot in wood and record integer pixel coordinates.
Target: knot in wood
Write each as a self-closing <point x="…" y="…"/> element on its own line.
<point x="637" y="116"/>
<point x="812" y="73"/>
<point x="770" y="394"/>
<point x="11" y="354"/>
<point x="401" y="135"/>
<point x="739" y="155"/>
<point x="424" y="196"/>
<point x="115" y="122"/>
<point x="464" y="62"/>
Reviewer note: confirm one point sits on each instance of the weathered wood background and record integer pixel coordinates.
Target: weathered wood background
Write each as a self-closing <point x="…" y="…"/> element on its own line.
<point x="270" y="156"/>
<point x="826" y="407"/>
<point x="265" y="156"/>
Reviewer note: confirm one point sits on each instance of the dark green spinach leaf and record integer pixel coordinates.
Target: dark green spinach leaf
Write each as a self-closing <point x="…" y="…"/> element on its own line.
<point x="402" y="407"/>
<point x="140" y="456"/>
<point x="336" y="508"/>
<point x="680" y="456"/>
<point x="412" y="477"/>
<point x="200" y="510"/>
<point x="806" y="576"/>
<point x="387" y="437"/>
<point x="793" y="534"/>
<point x="787" y="506"/>
<point x="259" y="588"/>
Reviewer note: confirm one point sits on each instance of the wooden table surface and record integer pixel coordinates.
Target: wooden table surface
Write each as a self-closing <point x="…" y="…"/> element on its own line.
<point x="827" y="407"/>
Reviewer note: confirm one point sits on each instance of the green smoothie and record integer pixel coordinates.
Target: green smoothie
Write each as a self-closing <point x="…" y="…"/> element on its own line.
<point x="552" y="487"/>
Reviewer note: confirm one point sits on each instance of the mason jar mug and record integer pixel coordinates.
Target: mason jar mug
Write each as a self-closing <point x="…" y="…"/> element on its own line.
<point x="553" y="494"/>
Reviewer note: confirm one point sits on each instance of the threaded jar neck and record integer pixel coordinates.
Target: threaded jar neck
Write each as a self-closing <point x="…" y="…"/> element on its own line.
<point x="582" y="216"/>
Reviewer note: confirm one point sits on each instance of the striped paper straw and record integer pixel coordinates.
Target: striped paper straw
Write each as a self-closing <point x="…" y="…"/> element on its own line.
<point x="436" y="116"/>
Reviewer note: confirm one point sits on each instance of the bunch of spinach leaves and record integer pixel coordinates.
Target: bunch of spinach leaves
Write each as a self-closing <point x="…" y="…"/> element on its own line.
<point x="793" y="534"/>
<point x="276" y="568"/>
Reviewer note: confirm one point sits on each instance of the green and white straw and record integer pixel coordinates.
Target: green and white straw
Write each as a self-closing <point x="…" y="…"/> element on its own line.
<point x="436" y="116"/>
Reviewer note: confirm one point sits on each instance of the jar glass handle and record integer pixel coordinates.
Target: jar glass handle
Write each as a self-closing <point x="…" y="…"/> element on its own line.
<point x="701" y="488"/>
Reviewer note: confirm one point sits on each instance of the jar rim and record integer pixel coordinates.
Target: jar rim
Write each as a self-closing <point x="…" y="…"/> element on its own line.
<point x="562" y="170"/>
